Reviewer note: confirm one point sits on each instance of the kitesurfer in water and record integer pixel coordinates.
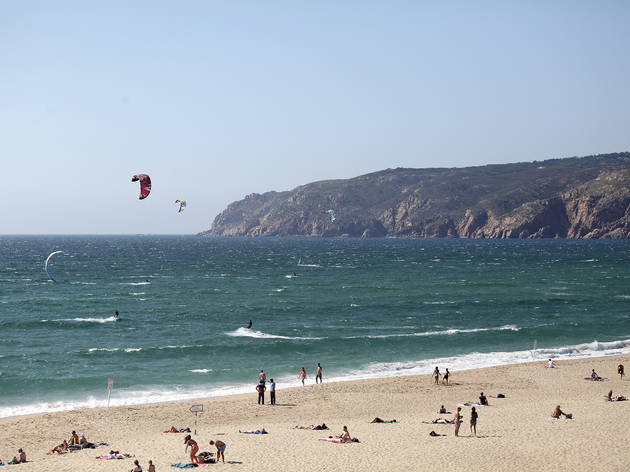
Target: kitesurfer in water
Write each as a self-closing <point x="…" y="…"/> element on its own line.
<point x="116" y="316"/>
<point x="249" y="325"/>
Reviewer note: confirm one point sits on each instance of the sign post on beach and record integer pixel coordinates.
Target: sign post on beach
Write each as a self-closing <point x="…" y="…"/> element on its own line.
<point x="196" y="409"/>
<point x="110" y="385"/>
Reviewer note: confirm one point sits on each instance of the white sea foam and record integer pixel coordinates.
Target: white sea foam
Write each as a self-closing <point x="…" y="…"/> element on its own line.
<point x="82" y="283"/>
<point x="250" y="333"/>
<point x="93" y="349"/>
<point x="623" y="297"/>
<point x="88" y="320"/>
<point x="135" y="283"/>
<point x="475" y="360"/>
<point x="136" y="293"/>
<point x="133" y="349"/>
<point x="446" y="332"/>
<point x="200" y="371"/>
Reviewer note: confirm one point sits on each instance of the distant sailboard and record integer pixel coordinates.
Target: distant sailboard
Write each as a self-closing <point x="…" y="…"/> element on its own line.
<point x="46" y="264"/>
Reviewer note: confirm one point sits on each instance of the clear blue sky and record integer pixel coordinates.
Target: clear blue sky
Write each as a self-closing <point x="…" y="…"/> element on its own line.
<point x="219" y="99"/>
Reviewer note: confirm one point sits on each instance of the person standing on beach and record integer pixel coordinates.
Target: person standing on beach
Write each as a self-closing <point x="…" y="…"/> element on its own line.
<point x="445" y="378"/>
<point x="302" y="375"/>
<point x="262" y="378"/>
<point x="137" y="467"/>
<point x="620" y="371"/>
<point x="193" y="448"/>
<point x="220" y="449"/>
<point x="260" y="388"/>
<point x="473" y="420"/>
<point x="151" y="466"/>
<point x="436" y="375"/>
<point x="272" y="392"/>
<point x="458" y="420"/>
<point x="318" y="375"/>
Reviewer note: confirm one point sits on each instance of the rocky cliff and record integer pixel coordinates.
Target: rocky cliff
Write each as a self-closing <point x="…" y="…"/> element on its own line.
<point x="586" y="197"/>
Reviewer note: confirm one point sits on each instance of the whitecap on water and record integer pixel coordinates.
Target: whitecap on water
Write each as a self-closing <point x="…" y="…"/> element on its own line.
<point x="249" y="333"/>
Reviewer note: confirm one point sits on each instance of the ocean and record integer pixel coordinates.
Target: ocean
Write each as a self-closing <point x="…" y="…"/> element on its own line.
<point x="363" y="308"/>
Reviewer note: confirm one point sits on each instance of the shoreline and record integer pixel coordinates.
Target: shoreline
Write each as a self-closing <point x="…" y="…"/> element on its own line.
<point x="401" y="369"/>
<point x="516" y="428"/>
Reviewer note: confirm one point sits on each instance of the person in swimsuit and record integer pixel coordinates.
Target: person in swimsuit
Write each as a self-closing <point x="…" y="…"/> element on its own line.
<point x="557" y="413"/>
<point x="194" y="448"/>
<point x="345" y="435"/>
<point x="249" y="325"/>
<point x="262" y="377"/>
<point x="594" y="375"/>
<point x="550" y="365"/>
<point x="116" y="316"/>
<point x="620" y="371"/>
<point x="74" y="439"/>
<point x="442" y="409"/>
<point x="21" y="456"/>
<point x="436" y="375"/>
<point x="473" y="420"/>
<point x="458" y="420"/>
<point x="302" y="375"/>
<point x="151" y="466"/>
<point x="220" y="449"/>
<point x="137" y="467"/>
<point x="318" y="375"/>
<point x="445" y="378"/>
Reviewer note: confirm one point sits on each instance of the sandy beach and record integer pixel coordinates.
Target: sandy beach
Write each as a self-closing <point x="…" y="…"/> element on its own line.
<point x="513" y="433"/>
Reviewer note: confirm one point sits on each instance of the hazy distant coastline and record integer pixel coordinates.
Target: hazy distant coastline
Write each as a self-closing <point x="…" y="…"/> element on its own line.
<point x="586" y="197"/>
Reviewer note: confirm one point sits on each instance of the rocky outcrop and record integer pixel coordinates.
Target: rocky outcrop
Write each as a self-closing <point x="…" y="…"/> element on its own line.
<point x="573" y="198"/>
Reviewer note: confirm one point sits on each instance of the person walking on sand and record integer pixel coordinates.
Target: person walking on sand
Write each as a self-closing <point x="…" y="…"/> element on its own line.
<point x="272" y="392"/>
<point x="220" y="449"/>
<point x="189" y="441"/>
<point x="473" y="421"/>
<point x="262" y="378"/>
<point x="318" y="375"/>
<point x="260" y="388"/>
<point x="458" y="420"/>
<point x="436" y="375"/>
<point x="302" y="375"/>
<point x="445" y="378"/>
<point x="151" y="466"/>
<point x="620" y="371"/>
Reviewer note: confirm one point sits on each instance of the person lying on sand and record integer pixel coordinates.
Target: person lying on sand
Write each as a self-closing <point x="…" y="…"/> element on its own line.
<point x="440" y="421"/>
<point x="177" y="430"/>
<point x="557" y="413"/>
<point x="258" y="431"/>
<point x="318" y="427"/>
<point x="61" y="448"/>
<point x="378" y="420"/>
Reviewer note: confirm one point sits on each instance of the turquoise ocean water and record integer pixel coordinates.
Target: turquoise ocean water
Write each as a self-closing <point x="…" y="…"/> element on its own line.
<point x="362" y="308"/>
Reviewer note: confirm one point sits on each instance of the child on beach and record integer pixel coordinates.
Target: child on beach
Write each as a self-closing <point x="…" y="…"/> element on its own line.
<point x="220" y="445"/>
<point x="557" y="413"/>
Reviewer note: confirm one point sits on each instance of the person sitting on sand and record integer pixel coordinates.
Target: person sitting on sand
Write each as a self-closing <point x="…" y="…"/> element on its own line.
<point x="137" y="467"/>
<point x="345" y="435"/>
<point x="483" y="400"/>
<point x="220" y="449"/>
<point x="189" y="441"/>
<point x="550" y="365"/>
<point x="62" y="448"/>
<point x="378" y="420"/>
<point x="85" y="444"/>
<point x="557" y="413"/>
<point x="620" y="371"/>
<point x="609" y="396"/>
<point x="74" y="439"/>
<point x="21" y="456"/>
<point x="594" y="375"/>
<point x="442" y="410"/>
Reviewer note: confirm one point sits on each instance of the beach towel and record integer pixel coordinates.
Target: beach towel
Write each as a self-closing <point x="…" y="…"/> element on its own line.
<point x="254" y="432"/>
<point x="441" y="421"/>
<point x="445" y="413"/>
<point x="110" y="457"/>
<point x="562" y="417"/>
<point x="188" y="465"/>
<point x="599" y="379"/>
